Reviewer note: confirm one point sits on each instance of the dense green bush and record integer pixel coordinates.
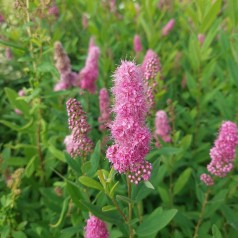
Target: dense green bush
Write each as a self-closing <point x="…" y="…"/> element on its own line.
<point x="46" y="193"/>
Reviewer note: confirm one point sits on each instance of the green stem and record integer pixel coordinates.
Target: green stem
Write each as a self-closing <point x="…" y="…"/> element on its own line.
<point x="119" y="209"/>
<point x="129" y="207"/>
<point x="205" y="201"/>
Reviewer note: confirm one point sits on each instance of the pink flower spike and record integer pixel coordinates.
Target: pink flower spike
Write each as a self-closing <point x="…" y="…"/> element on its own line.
<point x="89" y="74"/>
<point x="168" y="27"/>
<point x="201" y="38"/>
<point x="104" y="105"/>
<point x="95" y="228"/>
<point x="131" y="136"/>
<point x="224" y="150"/>
<point x="207" y="179"/>
<point x="79" y="144"/>
<point x="162" y="127"/>
<point x="137" y="44"/>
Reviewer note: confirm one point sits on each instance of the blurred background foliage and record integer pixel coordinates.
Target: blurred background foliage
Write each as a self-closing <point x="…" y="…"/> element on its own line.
<point x="198" y="90"/>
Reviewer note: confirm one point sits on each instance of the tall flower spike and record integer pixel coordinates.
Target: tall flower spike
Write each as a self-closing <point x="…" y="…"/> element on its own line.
<point x="95" y="228"/>
<point x="150" y="67"/>
<point x="131" y="136"/>
<point x="79" y="144"/>
<point x="223" y="153"/>
<point x="89" y="74"/>
<point x="162" y="127"/>
<point x="104" y="105"/>
<point x="62" y="63"/>
<point x="224" y="150"/>
<point x="168" y="27"/>
<point x="137" y="44"/>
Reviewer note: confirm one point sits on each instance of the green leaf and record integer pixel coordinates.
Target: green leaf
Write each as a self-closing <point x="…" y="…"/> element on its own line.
<point x="12" y="45"/>
<point x="86" y="166"/>
<point x="211" y="15"/>
<point x="95" y="158"/>
<point x="215" y="232"/>
<point x="91" y="183"/>
<point x="182" y="180"/>
<point x="155" y="221"/>
<point x="148" y="184"/>
<point x="108" y="208"/>
<point x="57" y="153"/>
<point x="112" y="216"/>
<point x="18" y="234"/>
<point x="164" y="194"/>
<point x="20" y="104"/>
<point x="63" y="213"/>
<point x="17" y="128"/>
<point x="113" y="189"/>
<point x="169" y="150"/>
<point x="73" y="163"/>
<point x="30" y="168"/>
<point x="16" y="161"/>
<point x="124" y="199"/>
<point x="231" y="216"/>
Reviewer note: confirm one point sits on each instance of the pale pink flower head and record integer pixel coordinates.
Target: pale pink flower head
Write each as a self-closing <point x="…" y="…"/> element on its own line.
<point x="162" y="127"/>
<point x="62" y="61"/>
<point x="207" y="179"/>
<point x="95" y="228"/>
<point x="89" y="74"/>
<point x="67" y="80"/>
<point x="78" y="124"/>
<point x="84" y="20"/>
<point x="53" y="10"/>
<point x="105" y="112"/>
<point x="131" y="136"/>
<point x="2" y="19"/>
<point x="137" y="44"/>
<point x="8" y="53"/>
<point x="168" y="27"/>
<point x="201" y="38"/>
<point x="224" y="150"/>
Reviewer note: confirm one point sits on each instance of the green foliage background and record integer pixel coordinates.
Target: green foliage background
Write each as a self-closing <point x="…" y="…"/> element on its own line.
<point x="199" y="91"/>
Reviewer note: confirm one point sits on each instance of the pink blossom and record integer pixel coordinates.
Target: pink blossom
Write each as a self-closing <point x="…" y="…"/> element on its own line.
<point x="84" y="20"/>
<point x="53" y="10"/>
<point x="207" y="179"/>
<point x="89" y="74"/>
<point x="67" y="80"/>
<point x="131" y="136"/>
<point x="150" y="68"/>
<point x="104" y="105"/>
<point x="168" y="27"/>
<point x="137" y="44"/>
<point x="8" y="53"/>
<point x="78" y="124"/>
<point x="95" y="228"/>
<point x="162" y="127"/>
<point x="2" y="19"/>
<point x="201" y="38"/>
<point x="224" y="150"/>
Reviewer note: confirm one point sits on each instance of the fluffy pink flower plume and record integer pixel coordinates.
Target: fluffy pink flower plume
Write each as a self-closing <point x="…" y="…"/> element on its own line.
<point x="104" y="105"/>
<point x="2" y="19"/>
<point x="150" y="67"/>
<point x="137" y="44"/>
<point x="62" y="63"/>
<point x="8" y="53"/>
<point x="207" y="179"/>
<point x="162" y="127"/>
<point x="168" y="27"/>
<point x="131" y="136"/>
<point x="84" y="21"/>
<point x="89" y="74"/>
<point x="95" y="228"/>
<point x="223" y="152"/>
<point x="78" y="143"/>
<point x="53" y="10"/>
<point x="201" y="38"/>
